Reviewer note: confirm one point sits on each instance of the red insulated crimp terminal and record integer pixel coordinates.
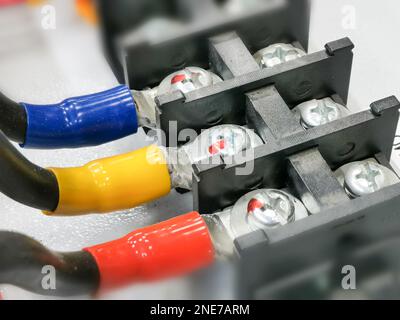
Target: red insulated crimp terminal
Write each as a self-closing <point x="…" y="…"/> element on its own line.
<point x="171" y="248"/>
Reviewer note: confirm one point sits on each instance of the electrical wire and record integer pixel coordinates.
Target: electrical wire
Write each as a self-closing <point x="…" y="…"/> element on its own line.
<point x="24" y="181"/>
<point x="24" y="259"/>
<point x="113" y="184"/>
<point x="13" y="121"/>
<point x="104" y="185"/>
<point x="83" y="121"/>
<point x="171" y="248"/>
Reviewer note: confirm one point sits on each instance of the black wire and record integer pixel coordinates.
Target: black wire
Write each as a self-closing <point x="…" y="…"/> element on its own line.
<point x="13" y="119"/>
<point x="23" y="263"/>
<point x="24" y="181"/>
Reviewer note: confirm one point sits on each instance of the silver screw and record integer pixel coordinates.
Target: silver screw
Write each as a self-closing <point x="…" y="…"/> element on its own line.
<point x="187" y="80"/>
<point x="223" y="141"/>
<point x="316" y="113"/>
<point x="364" y="178"/>
<point x="270" y="209"/>
<point x="228" y="140"/>
<point x="277" y="54"/>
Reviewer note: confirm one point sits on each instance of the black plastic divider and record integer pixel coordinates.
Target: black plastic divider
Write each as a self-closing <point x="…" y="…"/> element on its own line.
<point x="332" y="237"/>
<point x="353" y="138"/>
<point x="316" y="75"/>
<point x="147" y="63"/>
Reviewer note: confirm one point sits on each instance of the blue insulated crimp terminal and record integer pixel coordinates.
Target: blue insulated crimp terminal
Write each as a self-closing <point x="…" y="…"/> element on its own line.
<point x="82" y="121"/>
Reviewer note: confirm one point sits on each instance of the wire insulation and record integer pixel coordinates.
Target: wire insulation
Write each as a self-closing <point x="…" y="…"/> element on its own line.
<point x="13" y="119"/>
<point x="24" y="181"/>
<point x="81" y="121"/>
<point x="172" y="248"/>
<point x="112" y="184"/>
<point x="25" y="264"/>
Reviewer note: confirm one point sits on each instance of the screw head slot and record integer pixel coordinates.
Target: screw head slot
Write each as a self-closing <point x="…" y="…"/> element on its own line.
<point x="315" y="113"/>
<point x="277" y="54"/>
<point x="364" y="178"/>
<point x="187" y="80"/>
<point x="270" y="208"/>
